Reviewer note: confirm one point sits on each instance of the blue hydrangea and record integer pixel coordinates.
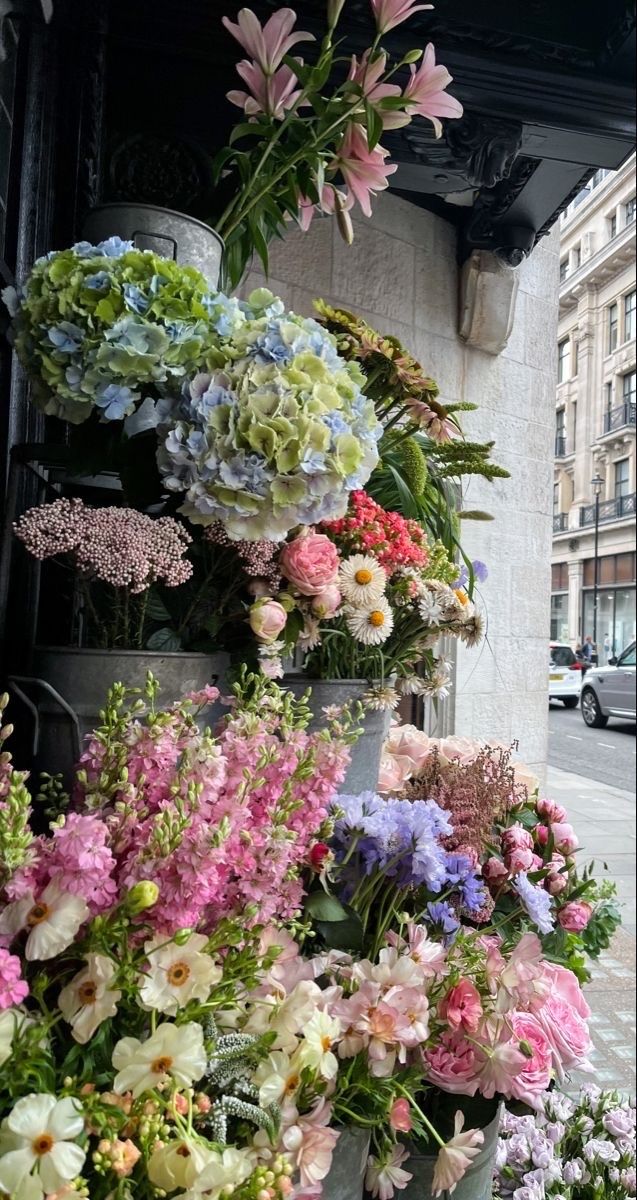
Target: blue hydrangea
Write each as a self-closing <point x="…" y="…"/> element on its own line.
<point x="115" y="401"/>
<point x="66" y="337"/>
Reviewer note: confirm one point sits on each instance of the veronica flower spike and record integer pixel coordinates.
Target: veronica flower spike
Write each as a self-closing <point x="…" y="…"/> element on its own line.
<point x="270" y="43"/>
<point x="390" y="13"/>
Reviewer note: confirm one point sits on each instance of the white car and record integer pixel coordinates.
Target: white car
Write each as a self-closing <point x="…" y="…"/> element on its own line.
<point x="565" y="675"/>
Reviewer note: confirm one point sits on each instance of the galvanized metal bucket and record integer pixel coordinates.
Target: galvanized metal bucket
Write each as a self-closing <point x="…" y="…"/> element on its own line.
<point x="364" y="768"/>
<point x="477" y="1184"/>
<point x="346" y="1179"/>
<point x="170" y="234"/>
<point x="68" y="689"/>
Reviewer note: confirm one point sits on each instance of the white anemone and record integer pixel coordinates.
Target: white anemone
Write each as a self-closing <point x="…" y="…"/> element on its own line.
<point x="40" y="1131"/>
<point x="177" y="974"/>
<point x="173" y="1051"/>
<point x="89" y="998"/>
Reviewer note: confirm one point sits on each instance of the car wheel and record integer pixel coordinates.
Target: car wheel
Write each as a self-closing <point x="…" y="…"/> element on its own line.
<point x="591" y="711"/>
<point x="570" y="701"/>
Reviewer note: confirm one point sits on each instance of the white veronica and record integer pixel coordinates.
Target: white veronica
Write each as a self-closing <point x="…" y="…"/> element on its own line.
<point x="52" y="920"/>
<point x="173" y="1051"/>
<point x="89" y="998"/>
<point x="177" y="974"/>
<point x="43" y="1130"/>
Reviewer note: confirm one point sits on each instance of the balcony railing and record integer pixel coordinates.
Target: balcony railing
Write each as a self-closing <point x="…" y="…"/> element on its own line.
<point x="560" y="522"/>
<point x="609" y="510"/>
<point x="620" y="418"/>
<point x="560" y="446"/>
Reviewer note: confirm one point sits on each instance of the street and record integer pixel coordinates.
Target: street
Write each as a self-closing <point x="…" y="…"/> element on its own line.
<point x="606" y="755"/>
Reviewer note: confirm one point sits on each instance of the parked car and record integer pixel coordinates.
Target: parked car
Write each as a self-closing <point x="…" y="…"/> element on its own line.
<point x="565" y="675"/>
<point x="610" y="691"/>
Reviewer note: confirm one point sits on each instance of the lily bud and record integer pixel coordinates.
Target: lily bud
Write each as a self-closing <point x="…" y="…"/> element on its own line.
<point x="182" y="936"/>
<point x="334" y="10"/>
<point x="413" y="56"/>
<point x="141" y="896"/>
<point x="343" y="219"/>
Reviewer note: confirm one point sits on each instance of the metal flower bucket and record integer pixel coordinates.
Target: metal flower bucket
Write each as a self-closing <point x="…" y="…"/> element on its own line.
<point x="477" y="1184"/>
<point x="169" y="234"/>
<point x="363" y="771"/>
<point x="346" y="1179"/>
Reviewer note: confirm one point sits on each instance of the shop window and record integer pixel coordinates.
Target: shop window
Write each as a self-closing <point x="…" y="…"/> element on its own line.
<point x="559" y="577"/>
<point x="612" y="328"/>
<point x="622" y="478"/>
<point x="625" y="568"/>
<point x="559" y="618"/>
<point x="563" y="360"/>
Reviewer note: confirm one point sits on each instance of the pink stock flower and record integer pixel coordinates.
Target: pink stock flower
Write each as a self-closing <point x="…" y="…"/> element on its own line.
<point x="310" y="563"/>
<point x="13" y="989"/>
<point x="270" y="94"/>
<point x="462" y="1006"/>
<point x="400" y="1116"/>
<point x="385" y="1175"/>
<point x="390" y="13"/>
<point x="455" y="1158"/>
<point x="425" y="93"/>
<point x="574" y="917"/>
<point x="270" y="43"/>
<point x="535" y="1077"/>
<point x="365" y="171"/>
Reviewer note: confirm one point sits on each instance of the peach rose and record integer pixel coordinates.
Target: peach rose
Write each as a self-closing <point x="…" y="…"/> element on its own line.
<point x="310" y="563"/>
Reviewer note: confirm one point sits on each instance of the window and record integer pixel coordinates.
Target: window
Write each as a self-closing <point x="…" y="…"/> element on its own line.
<point x="608" y="396"/>
<point x="563" y="360"/>
<point x="622" y="478"/>
<point x="630" y="312"/>
<point x="612" y="225"/>
<point x="559" y="577"/>
<point x="560" y="422"/>
<point x="613" y="328"/>
<point x="615" y="568"/>
<point x="559" y="622"/>
<point x="562" y="656"/>
<point x="628" y="657"/>
<point x="631" y="210"/>
<point x="629" y="388"/>
<point x="574" y="426"/>
<point x="577" y="258"/>
<point x="556" y="499"/>
<point x="563" y="270"/>
<point x="575" y="358"/>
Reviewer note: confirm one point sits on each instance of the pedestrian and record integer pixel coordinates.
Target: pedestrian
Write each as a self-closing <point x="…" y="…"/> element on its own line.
<point x="608" y="649"/>
<point x="588" y="650"/>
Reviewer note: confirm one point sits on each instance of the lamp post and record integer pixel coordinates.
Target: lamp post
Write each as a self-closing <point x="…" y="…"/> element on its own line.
<point x="597" y="484"/>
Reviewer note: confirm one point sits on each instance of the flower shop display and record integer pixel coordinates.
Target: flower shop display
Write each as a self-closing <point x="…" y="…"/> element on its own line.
<point x="571" y="1149"/>
<point x="310" y="137"/>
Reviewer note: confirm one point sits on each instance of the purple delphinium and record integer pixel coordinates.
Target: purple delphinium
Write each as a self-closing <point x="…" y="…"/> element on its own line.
<point x="537" y="902"/>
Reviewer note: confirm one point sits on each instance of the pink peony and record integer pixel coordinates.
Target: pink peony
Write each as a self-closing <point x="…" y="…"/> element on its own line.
<point x="516" y="838"/>
<point x="400" y="1116"/>
<point x="267" y="620"/>
<point x="567" y="1034"/>
<point x="520" y="860"/>
<point x="462" y="1006"/>
<point x="550" y="811"/>
<point x="310" y="563"/>
<point x="566" y="840"/>
<point x="542" y="834"/>
<point x="557" y="879"/>
<point x="494" y="872"/>
<point x="327" y="603"/>
<point x="574" y="917"/>
<point x="535" y="1077"/>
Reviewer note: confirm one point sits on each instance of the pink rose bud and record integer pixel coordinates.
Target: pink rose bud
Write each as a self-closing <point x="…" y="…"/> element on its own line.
<point x="400" y="1116"/>
<point x="574" y="917"/>
<point x="327" y="603"/>
<point x="542" y="834"/>
<point x="310" y="563"/>
<point x="494" y="871"/>
<point x="516" y="838"/>
<point x="566" y="840"/>
<point x="519" y="860"/>
<point x="556" y="882"/>
<point x="267" y="620"/>
<point x="319" y="855"/>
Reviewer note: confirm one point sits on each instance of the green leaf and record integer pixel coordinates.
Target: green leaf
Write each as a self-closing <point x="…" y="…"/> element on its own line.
<point x="245" y="129"/>
<point x="324" y="907"/>
<point x="164" y="639"/>
<point x="156" y="609"/>
<point x="259" y="241"/>
<point x="374" y="126"/>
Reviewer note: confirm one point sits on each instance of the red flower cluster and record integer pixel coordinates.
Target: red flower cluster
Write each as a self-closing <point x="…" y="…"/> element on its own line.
<point x="369" y="529"/>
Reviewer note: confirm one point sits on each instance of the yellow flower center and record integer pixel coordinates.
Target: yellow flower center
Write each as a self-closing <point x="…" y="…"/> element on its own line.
<point x="161" y="1065"/>
<point x="326" y="1043"/>
<point x="178" y="974"/>
<point x="87" y="992"/>
<point x="42" y="1144"/>
<point x="292" y="1083"/>
<point x="377" y="618"/>
<point x="364" y="576"/>
<point x="37" y="914"/>
<point x="461" y="596"/>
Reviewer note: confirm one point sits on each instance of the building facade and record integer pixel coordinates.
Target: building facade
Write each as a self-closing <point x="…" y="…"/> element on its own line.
<point x="595" y="417"/>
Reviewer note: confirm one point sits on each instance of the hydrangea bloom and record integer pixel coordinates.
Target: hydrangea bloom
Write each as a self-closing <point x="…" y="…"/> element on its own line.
<point x="276" y="434"/>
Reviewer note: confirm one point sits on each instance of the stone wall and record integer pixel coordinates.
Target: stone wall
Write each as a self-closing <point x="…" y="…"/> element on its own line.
<point x="401" y="274"/>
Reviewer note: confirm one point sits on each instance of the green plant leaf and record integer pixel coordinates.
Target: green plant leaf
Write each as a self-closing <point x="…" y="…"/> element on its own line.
<point x="324" y="907"/>
<point x="374" y="126"/>
<point x="164" y="639"/>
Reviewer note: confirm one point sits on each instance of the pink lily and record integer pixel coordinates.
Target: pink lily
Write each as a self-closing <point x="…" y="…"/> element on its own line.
<point x="454" y="1158"/>
<point x="271" y="94"/>
<point x="390" y="13"/>
<point x="330" y="203"/>
<point x="368" y="76"/>
<point x="426" y="94"/>
<point x="364" y="171"/>
<point x="268" y="44"/>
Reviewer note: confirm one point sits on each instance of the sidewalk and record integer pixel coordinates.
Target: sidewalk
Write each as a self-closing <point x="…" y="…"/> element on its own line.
<point x="604" y="819"/>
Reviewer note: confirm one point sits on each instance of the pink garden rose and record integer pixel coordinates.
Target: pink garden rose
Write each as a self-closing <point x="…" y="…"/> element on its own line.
<point x="566" y="839"/>
<point x="535" y="1077"/>
<point x="564" y="984"/>
<point x="567" y="1034"/>
<point x="310" y="563"/>
<point x="267" y="620"/>
<point x="452" y="1065"/>
<point x="462" y="1006"/>
<point x="393" y="774"/>
<point x="327" y="603"/>
<point x="411" y="746"/>
<point x="574" y="917"/>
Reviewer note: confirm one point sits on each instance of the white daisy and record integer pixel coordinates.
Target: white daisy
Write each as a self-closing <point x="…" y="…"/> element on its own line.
<point x="319" y="1037"/>
<point x="52" y="920"/>
<point x="173" y="1051"/>
<point x="371" y="626"/>
<point x="89" y="999"/>
<point x="43" y="1131"/>
<point x="411" y="685"/>
<point x="381" y="699"/>
<point x="431" y="607"/>
<point x="362" y="580"/>
<point x="177" y="974"/>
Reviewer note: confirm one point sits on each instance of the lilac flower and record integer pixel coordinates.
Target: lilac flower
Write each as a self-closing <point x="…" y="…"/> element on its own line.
<point x="536" y="901"/>
<point x="598" y="1150"/>
<point x="619" y="1122"/>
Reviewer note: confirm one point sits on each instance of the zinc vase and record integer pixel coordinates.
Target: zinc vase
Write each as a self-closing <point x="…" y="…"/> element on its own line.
<point x="477" y="1184"/>
<point x="363" y="771"/>
<point x="170" y="234"/>
<point x="346" y="1180"/>
<point x="67" y="689"/>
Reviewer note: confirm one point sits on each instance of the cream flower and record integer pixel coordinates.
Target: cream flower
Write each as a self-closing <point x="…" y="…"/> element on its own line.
<point x="362" y="580"/>
<point x="386" y="1174"/>
<point x="320" y="1035"/>
<point x="178" y="1164"/>
<point x="455" y="1158"/>
<point x="173" y="1051"/>
<point x="89" y="999"/>
<point x="13" y="1021"/>
<point x="177" y="974"/>
<point x="278" y="1078"/>
<point x="44" y="1130"/>
<point x="224" y="1169"/>
<point x="371" y="626"/>
<point x="53" y="921"/>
